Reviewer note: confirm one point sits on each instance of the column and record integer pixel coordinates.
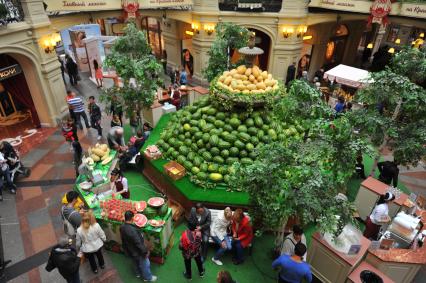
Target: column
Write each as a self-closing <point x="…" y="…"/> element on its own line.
<point x="34" y="12"/>
<point x="378" y="40"/>
<point x="169" y="32"/>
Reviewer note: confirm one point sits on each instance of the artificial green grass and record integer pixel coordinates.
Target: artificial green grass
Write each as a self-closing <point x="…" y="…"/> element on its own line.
<point x="140" y="188"/>
<point x="256" y="268"/>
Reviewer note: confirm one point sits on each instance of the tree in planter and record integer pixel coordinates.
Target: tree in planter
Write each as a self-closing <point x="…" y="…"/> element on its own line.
<point x="395" y="113"/>
<point x="131" y="57"/>
<point x="302" y="178"/>
<point x="229" y="36"/>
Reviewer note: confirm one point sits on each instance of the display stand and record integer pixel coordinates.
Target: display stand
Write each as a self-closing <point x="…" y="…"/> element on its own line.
<point x="159" y="239"/>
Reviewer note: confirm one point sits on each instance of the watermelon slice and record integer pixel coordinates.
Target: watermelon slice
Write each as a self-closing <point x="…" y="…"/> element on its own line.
<point x="156" y="201"/>
<point x="140" y="206"/>
<point x="156" y="223"/>
<point x="140" y="220"/>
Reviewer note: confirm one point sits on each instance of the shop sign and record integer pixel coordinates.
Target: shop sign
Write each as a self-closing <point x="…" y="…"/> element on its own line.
<point x="413" y="10"/>
<point x="380" y="9"/>
<point x="9" y="72"/>
<point x="96" y="5"/>
<point x="342" y="5"/>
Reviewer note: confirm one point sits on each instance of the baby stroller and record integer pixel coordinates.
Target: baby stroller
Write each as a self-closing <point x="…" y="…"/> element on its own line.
<point x="13" y="160"/>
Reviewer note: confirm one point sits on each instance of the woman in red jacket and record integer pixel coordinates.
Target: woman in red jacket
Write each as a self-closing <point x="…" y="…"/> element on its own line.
<point x="242" y="235"/>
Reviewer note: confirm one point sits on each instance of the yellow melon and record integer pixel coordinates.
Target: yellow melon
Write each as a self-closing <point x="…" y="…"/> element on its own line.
<point x="233" y="72"/>
<point x="228" y="80"/>
<point x="265" y="75"/>
<point x="246" y="91"/>
<point x="226" y="73"/>
<point x="246" y="82"/>
<point x="251" y="87"/>
<point x="248" y="72"/>
<point x="255" y="71"/>
<point x="241" y="69"/>
<point x="222" y="78"/>
<point x="260" y="85"/>
<point x="244" y="77"/>
<point x="259" y="78"/>
<point x="252" y="78"/>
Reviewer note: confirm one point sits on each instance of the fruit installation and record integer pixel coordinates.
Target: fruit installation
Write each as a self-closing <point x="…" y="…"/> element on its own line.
<point x="208" y="137"/>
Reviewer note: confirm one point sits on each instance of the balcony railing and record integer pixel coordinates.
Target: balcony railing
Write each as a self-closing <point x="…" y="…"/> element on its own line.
<point x="10" y="12"/>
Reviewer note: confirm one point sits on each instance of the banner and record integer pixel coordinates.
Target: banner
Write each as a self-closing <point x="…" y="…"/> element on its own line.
<point x="96" y="5"/>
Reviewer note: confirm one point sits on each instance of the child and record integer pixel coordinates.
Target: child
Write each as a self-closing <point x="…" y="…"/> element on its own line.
<point x="69" y="131"/>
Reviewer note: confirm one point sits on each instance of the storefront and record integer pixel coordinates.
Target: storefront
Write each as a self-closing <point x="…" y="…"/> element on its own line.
<point x="152" y="28"/>
<point x="17" y="109"/>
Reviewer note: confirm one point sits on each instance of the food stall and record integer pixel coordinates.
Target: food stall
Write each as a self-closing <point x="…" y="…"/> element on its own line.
<point x="347" y="81"/>
<point x="153" y="217"/>
<point x="396" y="257"/>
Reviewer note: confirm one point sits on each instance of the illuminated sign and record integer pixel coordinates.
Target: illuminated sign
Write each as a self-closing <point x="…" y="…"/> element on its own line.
<point x="9" y="72"/>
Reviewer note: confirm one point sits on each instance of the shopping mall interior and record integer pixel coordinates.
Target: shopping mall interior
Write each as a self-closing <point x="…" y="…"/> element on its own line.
<point x="270" y="141"/>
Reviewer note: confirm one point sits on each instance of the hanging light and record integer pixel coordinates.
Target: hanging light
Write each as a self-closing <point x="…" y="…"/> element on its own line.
<point x="391" y="50"/>
<point x="397" y="41"/>
<point x="422" y="35"/>
<point x="370" y="46"/>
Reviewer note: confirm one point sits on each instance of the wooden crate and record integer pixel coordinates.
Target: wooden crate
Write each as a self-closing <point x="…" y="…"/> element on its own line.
<point x="174" y="170"/>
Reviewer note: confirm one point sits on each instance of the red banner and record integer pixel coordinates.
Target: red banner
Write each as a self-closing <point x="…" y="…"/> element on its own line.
<point x="131" y="9"/>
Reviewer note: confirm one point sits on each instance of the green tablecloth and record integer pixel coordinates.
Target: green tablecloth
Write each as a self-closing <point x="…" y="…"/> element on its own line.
<point x="159" y="238"/>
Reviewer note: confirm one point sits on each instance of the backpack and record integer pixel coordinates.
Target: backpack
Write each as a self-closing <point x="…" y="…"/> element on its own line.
<point x="190" y="245"/>
<point x="68" y="227"/>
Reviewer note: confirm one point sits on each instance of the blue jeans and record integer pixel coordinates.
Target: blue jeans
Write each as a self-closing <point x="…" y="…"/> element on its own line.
<point x="238" y="251"/>
<point x="74" y="278"/>
<point x="143" y="267"/>
<point x="221" y="250"/>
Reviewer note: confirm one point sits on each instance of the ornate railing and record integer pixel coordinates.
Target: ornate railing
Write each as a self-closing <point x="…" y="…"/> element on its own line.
<point x="11" y="12"/>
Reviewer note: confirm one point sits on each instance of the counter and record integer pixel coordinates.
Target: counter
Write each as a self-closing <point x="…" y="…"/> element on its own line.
<point x="368" y="194"/>
<point x="160" y="239"/>
<point x="332" y="266"/>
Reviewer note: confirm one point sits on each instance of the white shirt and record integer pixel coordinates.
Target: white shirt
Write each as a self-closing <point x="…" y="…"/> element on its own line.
<point x="3" y="164"/>
<point x="219" y="226"/>
<point x="289" y="244"/>
<point x="90" y="240"/>
<point x="378" y="212"/>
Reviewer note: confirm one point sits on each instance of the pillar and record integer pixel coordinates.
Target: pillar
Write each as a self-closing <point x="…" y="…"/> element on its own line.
<point x="170" y="33"/>
<point x="34" y="12"/>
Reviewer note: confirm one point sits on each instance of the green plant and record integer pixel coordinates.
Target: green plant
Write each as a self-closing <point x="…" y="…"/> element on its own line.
<point x="401" y="126"/>
<point x="228" y="35"/>
<point x="3" y="11"/>
<point x="132" y="59"/>
<point x="303" y="178"/>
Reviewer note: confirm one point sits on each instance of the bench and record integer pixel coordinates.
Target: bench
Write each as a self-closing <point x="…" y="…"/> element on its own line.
<point x="214" y="214"/>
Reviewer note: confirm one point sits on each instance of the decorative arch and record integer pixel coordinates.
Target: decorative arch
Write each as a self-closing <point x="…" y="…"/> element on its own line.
<point x="32" y="72"/>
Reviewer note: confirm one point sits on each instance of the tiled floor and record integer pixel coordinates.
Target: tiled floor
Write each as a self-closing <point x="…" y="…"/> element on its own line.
<point x="31" y="219"/>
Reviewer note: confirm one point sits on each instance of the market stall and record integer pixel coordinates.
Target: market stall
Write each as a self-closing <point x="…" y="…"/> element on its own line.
<point x="152" y="216"/>
<point x="346" y="81"/>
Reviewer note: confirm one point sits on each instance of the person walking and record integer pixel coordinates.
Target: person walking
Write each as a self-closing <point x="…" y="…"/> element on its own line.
<point x="293" y="268"/>
<point x="190" y="245"/>
<point x="220" y="233"/>
<point x="201" y="217"/>
<point x="78" y="155"/>
<point x="90" y="240"/>
<point x="77" y="106"/>
<point x="98" y="73"/>
<point x="242" y="235"/>
<point x="134" y="247"/>
<point x="72" y="69"/>
<point x="95" y="116"/>
<point x="164" y="61"/>
<point x="62" y="69"/>
<point x="388" y="172"/>
<point x="64" y="257"/>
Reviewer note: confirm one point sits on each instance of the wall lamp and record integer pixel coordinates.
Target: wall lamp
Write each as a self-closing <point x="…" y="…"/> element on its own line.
<point x="195" y="28"/>
<point x="397" y="41"/>
<point x="287" y="31"/>
<point x="50" y="41"/>
<point x="391" y="50"/>
<point x="370" y="46"/>
<point x="301" y="31"/>
<point x="209" y="28"/>
<point x="307" y="37"/>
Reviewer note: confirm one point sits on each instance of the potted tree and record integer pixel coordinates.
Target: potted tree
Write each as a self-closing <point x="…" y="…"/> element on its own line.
<point x="3" y="15"/>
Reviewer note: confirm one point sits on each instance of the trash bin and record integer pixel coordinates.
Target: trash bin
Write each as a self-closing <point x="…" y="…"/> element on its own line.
<point x="368" y="276"/>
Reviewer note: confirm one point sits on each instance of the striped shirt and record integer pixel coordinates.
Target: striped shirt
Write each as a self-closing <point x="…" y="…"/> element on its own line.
<point x="76" y="104"/>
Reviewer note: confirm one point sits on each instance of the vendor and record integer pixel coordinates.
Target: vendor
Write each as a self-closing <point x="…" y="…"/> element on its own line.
<point x="116" y="139"/>
<point x="380" y="212"/>
<point x="119" y="184"/>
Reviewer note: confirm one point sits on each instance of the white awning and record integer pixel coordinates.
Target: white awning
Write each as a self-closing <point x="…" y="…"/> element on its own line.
<point x="349" y="76"/>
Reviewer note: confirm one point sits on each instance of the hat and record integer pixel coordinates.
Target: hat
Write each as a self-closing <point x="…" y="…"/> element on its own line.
<point x="116" y="171"/>
<point x="389" y="196"/>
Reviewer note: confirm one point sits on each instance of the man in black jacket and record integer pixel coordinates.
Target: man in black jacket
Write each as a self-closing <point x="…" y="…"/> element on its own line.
<point x="291" y="72"/>
<point x="95" y="116"/>
<point x="64" y="257"/>
<point x="388" y="172"/>
<point x="72" y="69"/>
<point x="134" y="246"/>
<point x="202" y="218"/>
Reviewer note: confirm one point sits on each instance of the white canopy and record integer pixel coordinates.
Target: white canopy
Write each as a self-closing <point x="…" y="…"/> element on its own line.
<point x="347" y="75"/>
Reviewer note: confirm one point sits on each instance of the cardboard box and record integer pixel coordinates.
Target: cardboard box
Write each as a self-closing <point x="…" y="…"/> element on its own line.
<point x="174" y="170"/>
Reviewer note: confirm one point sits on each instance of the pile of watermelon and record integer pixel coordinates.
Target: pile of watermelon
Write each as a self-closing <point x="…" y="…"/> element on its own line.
<point x="206" y="139"/>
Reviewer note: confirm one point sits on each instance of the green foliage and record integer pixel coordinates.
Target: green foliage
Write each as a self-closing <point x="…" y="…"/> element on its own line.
<point x="227" y="34"/>
<point x="131" y="57"/>
<point x="403" y="127"/>
<point x="303" y="178"/>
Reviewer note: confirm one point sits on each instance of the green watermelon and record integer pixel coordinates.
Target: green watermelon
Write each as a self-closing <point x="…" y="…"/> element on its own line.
<point x="234" y="152"/>
<point x="239" y="144"/>
<point x="249" y="122"/>
<point x="244" y="136"/>
<point x="206" y="137"/>
<point x="220" y="116"/>
<point x="211" y="119"/>
<point x="224" y="145"/>
<point x="202" y="176"/>
<point x="231" y="160"/>
<point x="181" y="159"/>
<point x="150" y="212"/>
<point x="246" y="161"/>
<point x="218" y="159"/>
<point x="204" y="167"/>
<point x="234" y="122"/>
<point x="162" y="211"/>
<point x="243" y="153"/>
<point x="258" y="121"/>
<point x="242" y="128"/>
<point x="215" y="151"/>
<point x="188" y="165"/>
<point x="197" y="161"/>
<point x="184" y="150"/>
<point x="228" y="128"/>
<point x="207" y="156"/>
<point x="213" y="167"/>
<point x="230" y="138"/>
<point x="219" y="123"/>
<point x="224" y="153"/>
<point x="249" y="147"/>
<point x="211" y="111"/>
<point x="214" y="140"/>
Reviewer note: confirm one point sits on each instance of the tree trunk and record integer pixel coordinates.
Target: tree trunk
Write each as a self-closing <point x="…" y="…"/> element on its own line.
<point x="385" y="139"/>
<point x="281" y="234"/>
